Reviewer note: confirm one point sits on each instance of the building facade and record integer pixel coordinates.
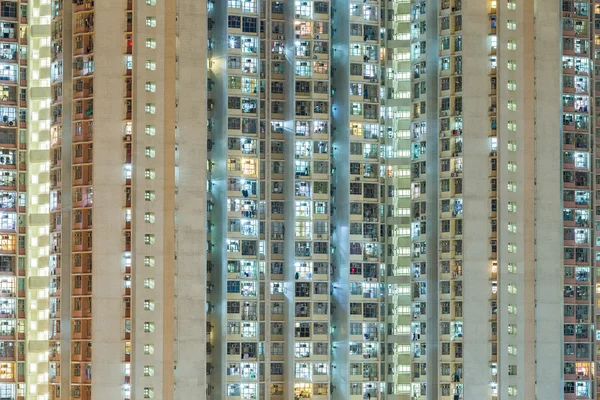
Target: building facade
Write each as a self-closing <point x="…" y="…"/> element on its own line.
<point x="298" y="199"/>
<point x="126" y="247"/>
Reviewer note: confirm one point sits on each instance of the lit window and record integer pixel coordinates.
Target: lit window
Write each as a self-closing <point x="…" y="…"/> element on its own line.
<point x="512" y="65"/>
<point x="148" y="393"/>
<point x="150" y="130"/>
<point x="512" y="268"/>
<point x="511" y="24"/>
<point x="151" y="2"/>
<point x="512" y="206"/>
<point x="148" y="370"/>
<point x="512" y="288"/>
<point x="149" y="283"/>
<point x="512" y="309"/>
<point x="148" y="349"/>
<point x="150" y="65"/>
<point x="302" y="370"/>
<point x="150" y="87"/>
<point x="512" y="227"/>
<point x="512" y="85"/>
<point x="148" y="327"/>
<point x="149" y="239"/>
<point x="512" y="145"/>
<point x="150" y="108"/>
<point x="512" y="186"/>
<point x="149" y="261"/>
<point x="512" y="126"/>
<point x="512" y="390"/>
<point x="512" y="166"/>
<point x="151" y="43"/>
<point x="402" y="369"/>
<point x="149" y="173"/>
<point x="151" y="22"/>
<point x="494" y="144"/>
<point x="150" y="152"/>
<point x="403" y="349"/>
<point x="511" y="44"/>
<point x="149" y="217"/>
<point x="149" y="305"/>
<point x="149" y="195"/>
<point x="512" y="105"/>
<point x="511" y="4"/>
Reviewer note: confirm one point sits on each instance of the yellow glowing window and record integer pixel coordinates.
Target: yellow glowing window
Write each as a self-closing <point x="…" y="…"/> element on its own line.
<point x="249" y="167"/>
<point x="7" y="371"/>
<point x="7" y="243"/>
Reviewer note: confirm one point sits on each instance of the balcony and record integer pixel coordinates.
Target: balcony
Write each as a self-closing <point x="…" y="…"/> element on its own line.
<point x="83" y="5"/>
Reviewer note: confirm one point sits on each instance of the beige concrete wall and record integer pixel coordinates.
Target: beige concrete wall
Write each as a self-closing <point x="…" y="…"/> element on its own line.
<point x="523" y="258"/>
<point x="548" y="196"/>
<point x="163" y="207"/>
<point x="477" y="290"/>
<point x="191" y="196"/>
<point x="107" y="306"/>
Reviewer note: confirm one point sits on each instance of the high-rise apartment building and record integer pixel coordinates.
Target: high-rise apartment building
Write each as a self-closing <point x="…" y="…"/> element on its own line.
<point x="298" y="199"/>
<point x="441" y="214"/>
<point x="126" y="244"/>
<point x="307" y="217"/>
